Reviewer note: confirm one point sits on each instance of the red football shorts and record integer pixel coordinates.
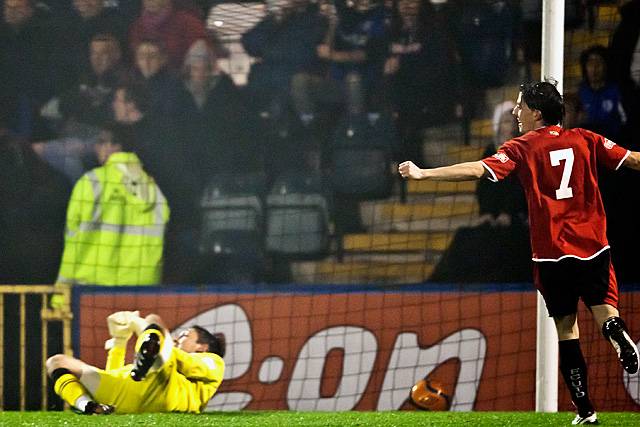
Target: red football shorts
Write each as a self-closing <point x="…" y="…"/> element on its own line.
<point x="564" y="282"/>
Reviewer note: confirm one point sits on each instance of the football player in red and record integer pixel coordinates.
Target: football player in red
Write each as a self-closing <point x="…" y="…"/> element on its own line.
<point x="557" y="170"/>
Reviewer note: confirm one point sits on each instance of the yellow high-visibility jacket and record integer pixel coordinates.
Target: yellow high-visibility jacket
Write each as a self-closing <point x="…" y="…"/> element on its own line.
<point x="116" y="220"/>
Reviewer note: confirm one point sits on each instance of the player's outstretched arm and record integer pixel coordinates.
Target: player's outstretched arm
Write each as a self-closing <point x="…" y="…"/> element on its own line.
<point x="466" y="171"/>
<point x="633" y="161"/>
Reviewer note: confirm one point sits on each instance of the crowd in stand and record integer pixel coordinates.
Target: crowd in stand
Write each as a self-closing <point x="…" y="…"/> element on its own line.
<point x="321" y="71"/>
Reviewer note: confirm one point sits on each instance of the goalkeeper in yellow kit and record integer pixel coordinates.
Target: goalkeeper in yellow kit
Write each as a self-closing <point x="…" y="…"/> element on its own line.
<point x="166" y="376"/>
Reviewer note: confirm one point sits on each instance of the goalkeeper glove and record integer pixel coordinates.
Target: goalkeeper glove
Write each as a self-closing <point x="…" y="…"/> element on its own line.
<point x="125" y="322"/>
<point x="138" y="324"/>
<point x="120" y="325"/>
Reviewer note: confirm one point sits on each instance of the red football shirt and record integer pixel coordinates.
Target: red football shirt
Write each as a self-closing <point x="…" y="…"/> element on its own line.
<point x="557" y="170"/>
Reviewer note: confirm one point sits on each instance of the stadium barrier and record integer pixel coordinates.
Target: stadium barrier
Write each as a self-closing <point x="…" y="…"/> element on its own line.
<point x="23" y="379"/>
<point x="334" y="348"/>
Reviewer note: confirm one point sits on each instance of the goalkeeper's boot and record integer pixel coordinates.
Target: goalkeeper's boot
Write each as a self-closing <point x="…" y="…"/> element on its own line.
<point x="615" y="331"/>
<point x="590" y="419"/>
<point x="95" y="408"/>
<point x="146" y="356"/>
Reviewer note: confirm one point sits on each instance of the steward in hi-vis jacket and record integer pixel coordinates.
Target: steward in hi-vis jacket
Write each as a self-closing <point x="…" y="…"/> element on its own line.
<point x="116" y="220"/>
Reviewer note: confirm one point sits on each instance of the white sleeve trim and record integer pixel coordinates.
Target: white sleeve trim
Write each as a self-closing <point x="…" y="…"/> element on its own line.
<point x="492" y="177"/>
<point x="623" y="159"/>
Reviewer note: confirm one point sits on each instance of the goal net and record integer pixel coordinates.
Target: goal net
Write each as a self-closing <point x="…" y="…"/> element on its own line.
<point x="340" y="285"/>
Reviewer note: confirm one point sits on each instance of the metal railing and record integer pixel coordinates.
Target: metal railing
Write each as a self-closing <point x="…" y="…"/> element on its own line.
<point x="47" y="315"/>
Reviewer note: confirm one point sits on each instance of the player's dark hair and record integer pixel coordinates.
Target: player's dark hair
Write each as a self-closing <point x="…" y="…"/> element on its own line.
<point x="544" y="97"/>
<point x="216" y="342"/>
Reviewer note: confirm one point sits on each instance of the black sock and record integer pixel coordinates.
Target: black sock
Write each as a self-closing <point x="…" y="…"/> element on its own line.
<point x="574" y="372"/>
<point x="58" y="372"/>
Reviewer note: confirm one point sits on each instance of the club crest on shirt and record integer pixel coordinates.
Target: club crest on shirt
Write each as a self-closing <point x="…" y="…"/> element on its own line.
<point x="608" y="144"/>
<point x="502" y="157"/>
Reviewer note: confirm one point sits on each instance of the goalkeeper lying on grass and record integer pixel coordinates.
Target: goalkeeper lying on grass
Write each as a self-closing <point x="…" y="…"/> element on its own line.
<point x="166" y="376"/>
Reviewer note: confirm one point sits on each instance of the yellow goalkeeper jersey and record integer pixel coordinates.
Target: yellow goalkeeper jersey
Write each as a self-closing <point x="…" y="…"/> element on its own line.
<point x="184" y="383"/>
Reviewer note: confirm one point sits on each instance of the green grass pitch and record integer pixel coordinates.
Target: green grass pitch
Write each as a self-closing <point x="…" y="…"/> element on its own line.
<point x="288" y="419"/>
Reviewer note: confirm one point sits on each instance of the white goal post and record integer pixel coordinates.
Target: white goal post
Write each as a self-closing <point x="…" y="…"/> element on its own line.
<point x="546" y="336"/>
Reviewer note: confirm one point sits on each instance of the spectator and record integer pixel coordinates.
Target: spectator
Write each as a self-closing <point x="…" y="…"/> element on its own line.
<point x="284" y="46"/>
<point x="77" y="114"/>
<point x="422" y="70"/>
<point x="356" y="49"/>
<point x="163" y="153"/>
<point x="625" y="56"/>
<point x="573" y="111"/>
<point x="198" y="8"/>
<point x="88" y="18"/>
<point x="600" y="97"/>
<point x="115" y="219"/>
<point x="486" y="31"/>
<point x="501" y="203"/>
<point x="72" y="153"/>
<point x="209" y="116"/>
<point x="623" y="227"/>
<point x="151" y="68"/>
<point x="157" y="145"/>
<point x="176" y="28"/>
<point x="89" y="101"/>
<point x="32" y="205"/>
<point x="25" y="48"/>
<point x="501" y="229"/>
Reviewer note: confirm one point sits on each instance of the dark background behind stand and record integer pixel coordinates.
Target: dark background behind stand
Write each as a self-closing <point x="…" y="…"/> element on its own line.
<point x="485" y="254"/>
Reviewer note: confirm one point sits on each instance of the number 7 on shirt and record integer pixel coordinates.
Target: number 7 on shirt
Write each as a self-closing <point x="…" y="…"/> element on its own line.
<point x="566" y="154"/>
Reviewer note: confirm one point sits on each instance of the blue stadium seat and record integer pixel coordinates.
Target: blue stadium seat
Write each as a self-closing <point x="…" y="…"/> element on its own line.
<point x="297" y="220"/>
<point x="232" y="220"/>
<point x="361" y="157"/>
